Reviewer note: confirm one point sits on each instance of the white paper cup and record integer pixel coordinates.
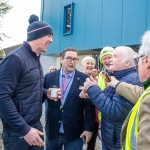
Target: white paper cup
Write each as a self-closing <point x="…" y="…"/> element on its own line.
<point x="54" y="91"/>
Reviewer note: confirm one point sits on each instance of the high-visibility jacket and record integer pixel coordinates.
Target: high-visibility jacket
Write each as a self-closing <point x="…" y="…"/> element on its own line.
<point x="102" y="85"/>
<point x="101" y="81"/>
<point x="132" y="127"/>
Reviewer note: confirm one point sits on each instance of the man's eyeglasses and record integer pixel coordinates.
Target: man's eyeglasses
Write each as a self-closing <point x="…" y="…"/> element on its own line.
<point x="136" y="60"/>
<point x="69" y="59"/>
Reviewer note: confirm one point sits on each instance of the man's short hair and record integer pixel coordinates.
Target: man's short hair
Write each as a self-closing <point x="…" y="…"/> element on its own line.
<point x="62" y="54"/>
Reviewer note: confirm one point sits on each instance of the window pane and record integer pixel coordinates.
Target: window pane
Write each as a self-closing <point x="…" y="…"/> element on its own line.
<point x="68" y="19"/>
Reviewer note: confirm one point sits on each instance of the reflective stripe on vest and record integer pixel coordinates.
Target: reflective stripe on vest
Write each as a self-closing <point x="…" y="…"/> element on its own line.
<point x="132" y="127"/>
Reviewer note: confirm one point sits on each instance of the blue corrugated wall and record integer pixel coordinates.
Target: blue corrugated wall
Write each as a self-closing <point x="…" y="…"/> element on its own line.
<point x="97" y="23"/>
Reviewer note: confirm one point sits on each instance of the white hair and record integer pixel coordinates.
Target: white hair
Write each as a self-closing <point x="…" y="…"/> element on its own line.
<point x="128" y="54"/>
<point x="86" y="58"/>
<point x="145" y="44"/>
<point x="51" y="67"/>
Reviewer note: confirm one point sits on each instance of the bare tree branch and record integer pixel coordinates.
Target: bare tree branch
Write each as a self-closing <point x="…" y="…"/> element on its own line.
<point x="4" y="8"/>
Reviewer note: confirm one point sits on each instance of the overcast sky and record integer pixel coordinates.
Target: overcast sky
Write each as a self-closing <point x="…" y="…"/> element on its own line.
<point x="15" y="23"/>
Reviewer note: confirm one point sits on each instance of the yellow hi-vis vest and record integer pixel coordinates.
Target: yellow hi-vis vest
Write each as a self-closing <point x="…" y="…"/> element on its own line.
<point x="101" y="81"/>
<point x="102" y="85"/>
<point x="132" y="127"/>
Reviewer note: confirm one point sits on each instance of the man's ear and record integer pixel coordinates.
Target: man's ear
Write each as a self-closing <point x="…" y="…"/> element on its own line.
<point x="61" y="60"/>
<point x="127" y="63"/>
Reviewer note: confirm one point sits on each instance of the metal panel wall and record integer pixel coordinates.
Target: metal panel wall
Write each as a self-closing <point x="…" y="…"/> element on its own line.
<point x="46" y="10"/>
<point x="148" y="14"/>
<point x="97" y="23"/>
<point x="64" y="40"/>
<point x="52" y="11"/>
<point x="78" y="36"/>
<point x="134" y="21"/>
<point x="54" y="17"/>
<point x="93" y="24"/>
<point x="112" y="22"/>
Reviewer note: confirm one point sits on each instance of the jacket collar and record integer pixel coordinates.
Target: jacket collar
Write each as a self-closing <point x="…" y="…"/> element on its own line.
<point x="121" y="73"/>
<point x="28" y="48"/>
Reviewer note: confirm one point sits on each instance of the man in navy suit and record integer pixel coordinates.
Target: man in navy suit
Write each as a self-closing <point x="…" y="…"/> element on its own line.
<point x="70" y="119"/>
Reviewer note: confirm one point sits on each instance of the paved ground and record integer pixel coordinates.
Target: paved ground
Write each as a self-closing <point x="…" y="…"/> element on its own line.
<point x="98" y="142"/>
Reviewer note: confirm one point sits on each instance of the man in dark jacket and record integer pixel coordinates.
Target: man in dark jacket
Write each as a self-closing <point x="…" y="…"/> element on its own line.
<point x="70" y="118"/>
<point x="21" y="90"/>
<point x="114" y="108"/>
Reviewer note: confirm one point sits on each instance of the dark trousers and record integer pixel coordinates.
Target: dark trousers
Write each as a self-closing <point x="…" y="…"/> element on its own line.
<point x="92" y="142"/>
<point x="60" y="142"/>
<point x="14" y="141"/>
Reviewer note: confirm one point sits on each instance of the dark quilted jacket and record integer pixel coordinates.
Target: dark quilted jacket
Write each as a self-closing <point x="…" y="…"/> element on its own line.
<point x="21" y="80"/>
<point x="114" y="108"/>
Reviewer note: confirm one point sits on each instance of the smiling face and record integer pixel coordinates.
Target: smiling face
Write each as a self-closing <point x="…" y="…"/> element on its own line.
<point x="116" y="62"/>
<point x="122" y="58"/>
<point x="40" y="45"/>
<point x="88" y="65"/>
<point x="44" y="41"/>
<point x="106" y="61"/>
<point x="69" y="66"/>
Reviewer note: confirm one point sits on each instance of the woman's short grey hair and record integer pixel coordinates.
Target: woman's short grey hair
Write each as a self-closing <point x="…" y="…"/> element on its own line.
<point x="145" y="44"/>
<point x="86" y="58"/>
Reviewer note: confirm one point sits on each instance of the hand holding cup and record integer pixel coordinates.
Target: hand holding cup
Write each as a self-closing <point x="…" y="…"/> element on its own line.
<point x="54" y="93"/>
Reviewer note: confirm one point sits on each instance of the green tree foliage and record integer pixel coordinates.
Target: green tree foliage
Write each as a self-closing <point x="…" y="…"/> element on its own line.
<point x="4" y="8"/>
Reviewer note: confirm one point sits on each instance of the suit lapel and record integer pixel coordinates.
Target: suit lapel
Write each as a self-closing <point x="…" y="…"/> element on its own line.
<point x="57" y="78"/>
<point x="74" y="86"/>
<point x="56" y="81"/>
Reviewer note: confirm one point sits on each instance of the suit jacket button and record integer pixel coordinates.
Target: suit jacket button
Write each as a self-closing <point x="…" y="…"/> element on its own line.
<point x="59" y="121"/>
<point x="62" y="110"/>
